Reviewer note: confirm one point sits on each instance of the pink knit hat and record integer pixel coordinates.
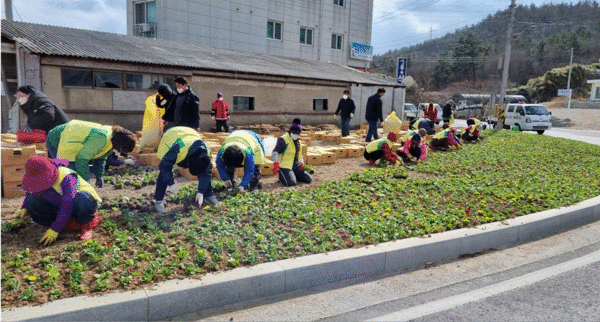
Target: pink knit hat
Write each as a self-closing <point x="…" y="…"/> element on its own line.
<point x="40" y="174"/>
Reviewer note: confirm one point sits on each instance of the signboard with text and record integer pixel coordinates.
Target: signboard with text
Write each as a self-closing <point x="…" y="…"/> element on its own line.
<point x="401" y="69"/>
<point x="564" y="92"/>
<point x="361" y="51"/>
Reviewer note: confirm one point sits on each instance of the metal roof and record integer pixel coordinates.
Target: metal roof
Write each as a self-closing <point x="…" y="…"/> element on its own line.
<point x="62" y="41"/>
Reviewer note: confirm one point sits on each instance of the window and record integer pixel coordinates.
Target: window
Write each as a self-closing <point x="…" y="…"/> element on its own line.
<point x="75" y="77"/>
<point x="336" y="41"/>
<point x="320" y="104"/>
<point x="519" y="110"/>
<point x="511" y="108"/>
<point x="145" y="81"/>
<point x="306" y="36"/>
<point x="243" y="103"/>
<point x="338" y="3"/>
<point x="108" y="80"/>
<point x="145" y="12"/>
<point x="598" y="93"/>
<point x="274" y="30"/>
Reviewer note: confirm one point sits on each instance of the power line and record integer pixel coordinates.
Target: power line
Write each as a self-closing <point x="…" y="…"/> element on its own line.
<point x="17" y="12"/>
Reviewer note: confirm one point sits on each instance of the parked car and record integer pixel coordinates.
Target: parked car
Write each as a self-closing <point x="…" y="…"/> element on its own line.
<point x="528" y="117"/>
<point x="410" y="111"/>
<point x="423" y="106"/>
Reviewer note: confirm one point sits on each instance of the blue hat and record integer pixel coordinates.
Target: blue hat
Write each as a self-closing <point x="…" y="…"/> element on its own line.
<point x="416" y="138"/>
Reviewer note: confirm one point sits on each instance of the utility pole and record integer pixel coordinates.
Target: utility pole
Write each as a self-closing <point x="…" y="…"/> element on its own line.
<point x="569" y="85"/>
<point x="8" y="10"/>
<point x="507" y="56"/>
<point x="431" y="33"/>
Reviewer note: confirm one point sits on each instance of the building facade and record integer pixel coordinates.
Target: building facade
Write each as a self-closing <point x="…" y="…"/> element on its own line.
<point x="337" y="31"/>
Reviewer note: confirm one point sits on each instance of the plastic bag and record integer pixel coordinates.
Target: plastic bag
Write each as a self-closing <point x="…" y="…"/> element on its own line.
<point x="451" y="119"/>
<point x="391" y="123"/>
<point x="269" y="144"/>
<point x="152" y="129"/>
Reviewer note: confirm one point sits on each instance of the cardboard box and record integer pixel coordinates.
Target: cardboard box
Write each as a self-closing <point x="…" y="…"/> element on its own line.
<point x="355" y="151"/>
<point x="14" y="156"/>
<point x="41" y="152"/>
<point x="328" y="158"/>
<point x="186" y="174"/>
<point x="13" y="173"/>
<point x="364" y="126"/>
<point x="313" y="159"/>
<point x="12" y="189"/>
<point x="148" y="159"/>
<point x="215" y="174"/>
<point x="266" y="169"/>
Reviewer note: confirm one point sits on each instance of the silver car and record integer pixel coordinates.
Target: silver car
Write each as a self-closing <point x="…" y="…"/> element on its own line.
<point x="410" y="111"/>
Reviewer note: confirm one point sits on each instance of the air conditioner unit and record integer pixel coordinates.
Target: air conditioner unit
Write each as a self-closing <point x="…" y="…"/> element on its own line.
<point x="146" y="27"/>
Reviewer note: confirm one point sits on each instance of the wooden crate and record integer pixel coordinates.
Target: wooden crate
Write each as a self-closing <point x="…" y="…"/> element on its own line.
<point x="12" y="189"/>
<point x="186" y="174"/>
<point x="13" y="173"/>
<point x="313" y="159"/>
<point x="12" y="156"/>
<point x="328" y="158"/>
<point x="266" y="169"/>
<point x="148" y="159"/>
<point x="355" y="151"/>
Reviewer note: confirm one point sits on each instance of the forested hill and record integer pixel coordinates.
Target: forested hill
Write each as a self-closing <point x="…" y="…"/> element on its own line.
<point x="542" y="38"/>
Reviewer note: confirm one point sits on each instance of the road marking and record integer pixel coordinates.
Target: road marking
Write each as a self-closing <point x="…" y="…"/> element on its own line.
<point x="488" y="291"/>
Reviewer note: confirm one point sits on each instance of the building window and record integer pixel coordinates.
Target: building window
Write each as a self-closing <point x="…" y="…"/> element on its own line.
<point x="108" y="80"/>
<point x="336" y="41"/>
<point x="243" y="103"/>
<point x="338" y="3"/>
<point x="147" y="82"/>
<point x="76" y="77"/>
<point x="144" y="12"/>
<point x="598" y="93"/>
<point x="306" y="36"/>
<point x="274" y="30"/>
<point x="320" y="104"/>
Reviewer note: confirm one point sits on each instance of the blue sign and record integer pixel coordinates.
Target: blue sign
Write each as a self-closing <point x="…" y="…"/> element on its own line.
<point x="361" y="51"/>
<point x="401" y="69"/>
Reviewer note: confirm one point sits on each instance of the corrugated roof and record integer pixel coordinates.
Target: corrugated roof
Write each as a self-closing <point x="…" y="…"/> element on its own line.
<point x="62" y="41"/>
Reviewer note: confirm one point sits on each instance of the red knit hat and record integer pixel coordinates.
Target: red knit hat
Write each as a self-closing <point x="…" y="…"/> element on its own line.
<point x="40" y="174"/>
<point x="392" y="136"/>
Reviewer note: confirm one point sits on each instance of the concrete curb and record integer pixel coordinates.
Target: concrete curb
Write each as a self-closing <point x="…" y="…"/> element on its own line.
<point x="179" y="297"/>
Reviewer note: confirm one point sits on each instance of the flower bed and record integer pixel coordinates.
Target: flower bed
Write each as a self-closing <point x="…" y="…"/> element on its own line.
<point x="508" y="174"/>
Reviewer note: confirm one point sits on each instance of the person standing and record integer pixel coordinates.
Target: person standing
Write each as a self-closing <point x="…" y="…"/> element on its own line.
<point x="431" y="112"/>
<point x="183" y="146"/>
<point x="346" y="108"/>
<point x="287" y="157"/>
<point x="220" y="113"/>
<point x="58" y="198"/>
<point x="42" y="113"/>
<point x="241" y="148"/>
<point x="184" y="110"/>
<point x="447" y="112"/>
<point x="374" y="114"/>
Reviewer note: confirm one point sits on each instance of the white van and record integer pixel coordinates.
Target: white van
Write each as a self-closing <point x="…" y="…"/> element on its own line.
<point x="528" y="117"/>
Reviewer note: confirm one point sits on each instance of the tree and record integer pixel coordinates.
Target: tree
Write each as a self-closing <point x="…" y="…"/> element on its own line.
<point x="467" y="54"/>
<point x="442" y="72"/>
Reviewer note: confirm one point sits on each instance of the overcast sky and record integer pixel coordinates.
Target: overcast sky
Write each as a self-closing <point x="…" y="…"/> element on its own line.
<point x="396" y="23"/>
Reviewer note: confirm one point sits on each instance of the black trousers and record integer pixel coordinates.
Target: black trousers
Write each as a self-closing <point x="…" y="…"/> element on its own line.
<point x="375" y="155"/>
<point x="255" y="177"/>
<point x="222" y="124"/>
<point x="414" y="151"/>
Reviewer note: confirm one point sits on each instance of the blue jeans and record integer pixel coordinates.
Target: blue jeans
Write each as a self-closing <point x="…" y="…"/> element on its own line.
<point x="345" y="126"/>
<point x="372" y="132"/>
<point x="165" y="179"/>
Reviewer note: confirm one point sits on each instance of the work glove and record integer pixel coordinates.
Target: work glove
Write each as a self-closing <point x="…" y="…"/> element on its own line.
<point x="199" y="199"/>
<point x="241" y="189"/>
<point x="160" y="206"/>
<point x="27" y="128"/>
<point x="213" y="118"/>
<point x="334" y="116"/>
<point x="23" y="214"/>
<point x="174" y="189"/>
<point x="228" y="118"/>
<point x="99" y="182"/>
<point x="301" y="166"/>
<point x="351" y="115"/>
<point x="49" y="237"/>
<point x="398" y="163"/>
<point x="276" y="167"/>
<point x="229" y="184"/>
<point x="129" y="162"/>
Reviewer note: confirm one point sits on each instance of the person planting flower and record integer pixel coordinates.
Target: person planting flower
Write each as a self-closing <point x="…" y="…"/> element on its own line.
<point x="415" y="147"/>
<point x="287" y="157"/>
<point x="81" y="142"/>
<point x="382" y="149"/>
<point x="472" y="132"/>
<point x="409" y="135"/>
<point x="183" y="146"/>
<point x="58" y="197"/>
<point x="241" y="149"/>
<point x="444" y="140"/>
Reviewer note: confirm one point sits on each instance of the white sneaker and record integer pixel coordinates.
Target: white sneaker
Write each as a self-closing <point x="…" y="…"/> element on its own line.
<point x="212" y="201"/>
<point x="160" y="206"/>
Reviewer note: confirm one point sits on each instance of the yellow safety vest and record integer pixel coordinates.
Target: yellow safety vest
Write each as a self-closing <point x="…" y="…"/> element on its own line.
<point x="182" y="136"/>
<point x="376" y="145"/>
<point x="288" y="154"/>
<point x="245" y="140"/>
<point x="82" y="185"/>
<point x="409" y="135"/>
<point x="441" y="134"/>
<point x="415" y="125"/>
<point x="75" y="134"/>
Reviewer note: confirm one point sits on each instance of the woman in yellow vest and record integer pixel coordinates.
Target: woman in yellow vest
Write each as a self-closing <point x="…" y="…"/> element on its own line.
<point x="444" y="140"/>
<point x="241" y="149"/>
<point x="382" y="149"/>
<point x="81" y="142"/>
<point x="287" y="157"/>
<point x="183" y="146"/>
<point x="411" y="133"/>
<point x="57" y="197"/>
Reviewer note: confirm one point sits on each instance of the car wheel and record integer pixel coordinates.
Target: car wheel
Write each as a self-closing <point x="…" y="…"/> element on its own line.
<point x="540" y="132"/>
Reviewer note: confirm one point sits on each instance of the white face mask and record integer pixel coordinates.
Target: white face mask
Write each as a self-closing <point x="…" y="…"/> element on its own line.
<point x="345" y="97"/>
<point x="295" y="136"/>
<point x="220" y="98"/>
<point x="22" y="100"/>
<point x="180" y="90"/>
<point x="164" y="101"/>
<point x="117" y="153"/>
